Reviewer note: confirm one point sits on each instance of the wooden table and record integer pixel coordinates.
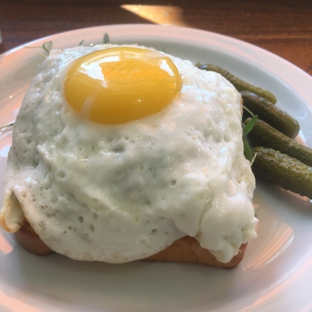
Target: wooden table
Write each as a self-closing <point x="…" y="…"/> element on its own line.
<point x="282" y="27"/>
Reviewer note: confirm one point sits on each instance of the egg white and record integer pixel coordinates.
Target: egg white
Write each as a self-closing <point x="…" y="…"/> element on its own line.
<point x="124" y="192"/>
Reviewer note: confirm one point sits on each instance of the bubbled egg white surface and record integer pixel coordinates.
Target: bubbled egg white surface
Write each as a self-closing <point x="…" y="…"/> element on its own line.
<point x="118" y="193"/>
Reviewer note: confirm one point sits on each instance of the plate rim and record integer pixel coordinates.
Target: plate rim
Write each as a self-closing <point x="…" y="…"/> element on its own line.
<point x="299" y="71"/>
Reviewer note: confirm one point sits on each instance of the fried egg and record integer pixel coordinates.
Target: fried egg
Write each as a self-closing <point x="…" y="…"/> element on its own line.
<point x="118" y="151"/>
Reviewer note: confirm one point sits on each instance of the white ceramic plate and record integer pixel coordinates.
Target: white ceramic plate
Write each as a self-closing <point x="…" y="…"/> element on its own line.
<point x="276" y="273"/>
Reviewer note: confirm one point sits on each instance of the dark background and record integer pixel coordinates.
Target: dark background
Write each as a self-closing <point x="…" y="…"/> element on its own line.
<point x="282" y="27"/>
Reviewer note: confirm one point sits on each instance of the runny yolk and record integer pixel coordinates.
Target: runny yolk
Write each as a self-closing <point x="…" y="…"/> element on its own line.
<point x="118" y="85"/>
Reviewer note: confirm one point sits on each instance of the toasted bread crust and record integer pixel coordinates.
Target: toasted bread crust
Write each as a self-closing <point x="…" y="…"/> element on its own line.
<point x="28" y="239"/>
<point x="186" y="249"/>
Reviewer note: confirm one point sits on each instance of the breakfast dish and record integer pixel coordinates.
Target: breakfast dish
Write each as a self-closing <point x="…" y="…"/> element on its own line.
<point x="163" y="158"/>
<point x="281" y="230"/>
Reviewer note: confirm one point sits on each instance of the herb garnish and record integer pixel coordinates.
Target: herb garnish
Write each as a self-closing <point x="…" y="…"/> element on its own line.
<point x="106" y="38"/>
<point x="246" y="130"/>
<point x="9" y="125"/>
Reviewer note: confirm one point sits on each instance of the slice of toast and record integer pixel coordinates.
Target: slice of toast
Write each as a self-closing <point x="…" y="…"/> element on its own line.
<point x="29" y="239"/>
<point x="186" y="249"/>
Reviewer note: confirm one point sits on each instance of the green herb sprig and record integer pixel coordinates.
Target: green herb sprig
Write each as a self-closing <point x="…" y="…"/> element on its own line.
<point x="6" y="126"/>
<point x="106" y="38"/>
<point x="46" y="46"/>
<point x="246" y="130"/>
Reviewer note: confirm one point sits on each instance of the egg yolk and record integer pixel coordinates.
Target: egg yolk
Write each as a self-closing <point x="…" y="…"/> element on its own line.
<point x="118" y="85"/>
